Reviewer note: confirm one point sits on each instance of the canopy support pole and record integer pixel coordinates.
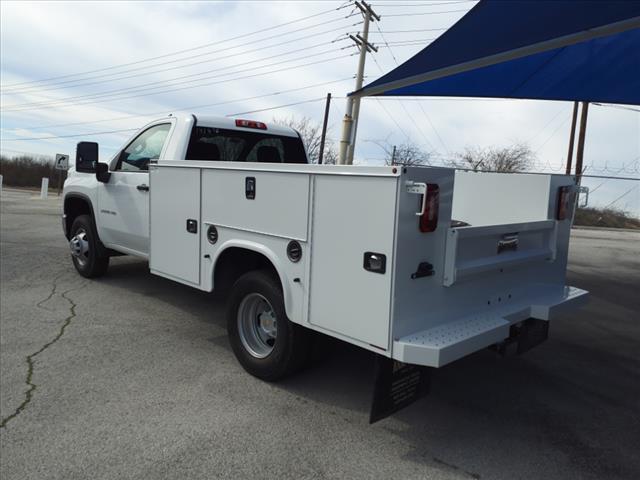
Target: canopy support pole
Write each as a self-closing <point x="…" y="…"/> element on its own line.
<point x="572" y="137"/>
<point x="581" y="138"/>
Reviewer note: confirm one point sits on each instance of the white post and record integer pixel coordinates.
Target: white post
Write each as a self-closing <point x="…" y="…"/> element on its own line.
<point x="346" y="133"/>
<point x="0" y="184"/>
<point x="44" y="189"/>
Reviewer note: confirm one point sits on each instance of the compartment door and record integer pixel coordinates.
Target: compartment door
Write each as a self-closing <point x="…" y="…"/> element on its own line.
<point x="175" y="223"/>
<point x="352" y="216"/>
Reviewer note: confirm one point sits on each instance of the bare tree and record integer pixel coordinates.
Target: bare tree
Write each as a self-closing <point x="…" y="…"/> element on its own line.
<point x="311" y="134"/>
<point x="406" y="154"/>
<point x="515" y="158"/>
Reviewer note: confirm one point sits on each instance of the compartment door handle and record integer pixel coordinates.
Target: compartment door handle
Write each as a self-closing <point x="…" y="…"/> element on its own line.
<point x="419" y="188"/>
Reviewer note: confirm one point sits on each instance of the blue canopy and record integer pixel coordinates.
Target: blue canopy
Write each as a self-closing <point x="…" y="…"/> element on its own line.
<point x="550" y="50"/>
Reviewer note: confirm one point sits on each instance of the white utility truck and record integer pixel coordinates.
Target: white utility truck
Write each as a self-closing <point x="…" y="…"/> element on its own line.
<point x="420" y="265"/>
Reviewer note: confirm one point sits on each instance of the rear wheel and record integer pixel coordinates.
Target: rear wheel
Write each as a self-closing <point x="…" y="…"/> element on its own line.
<point x="266" y="343"/>
<point x="85" y="254"/>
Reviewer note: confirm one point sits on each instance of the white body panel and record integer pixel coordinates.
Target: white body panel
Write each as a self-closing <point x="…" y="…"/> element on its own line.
<point x="175" y="252"/>
<point x="271" y="212"/>
<point x="497" y="199"/>
<point x="352" y="215"/>
<point x="123" y="213"/>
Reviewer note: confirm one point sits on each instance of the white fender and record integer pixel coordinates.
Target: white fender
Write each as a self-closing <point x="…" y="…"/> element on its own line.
<point x="273" y="258"/>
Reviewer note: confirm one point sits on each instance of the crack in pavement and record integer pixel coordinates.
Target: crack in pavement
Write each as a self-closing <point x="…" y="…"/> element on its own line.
<point x="30" y="358"/>
<point x="52" y="293"/>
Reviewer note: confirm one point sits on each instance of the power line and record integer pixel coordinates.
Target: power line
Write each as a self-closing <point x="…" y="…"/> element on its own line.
<point x="400" y="129"/>
<point x="546" y="125"/>
<point x="620" y="107"/>
<point x="192" y="107"/>
<point x="621" y="196"/>
<point x="384" y="39"/>
<point x="411" y="31"/>
<point x="410" y="42"/>
<point x="175" y="67"/>
<point x="166" y="82"/>
<point x="88" y="134"/>
<point x="244" y="35"/>
<point x="119" y="97"/>
<point x="430" y="4"/>
<point x="413" y="14"/>
<point x="278" y="106"/>
<point x="413" y="121"/>
<point x="67" y="136"/>
<point x="562" y="124"/>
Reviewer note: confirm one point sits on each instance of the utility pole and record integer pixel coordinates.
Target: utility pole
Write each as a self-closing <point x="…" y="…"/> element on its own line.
<point x="324" y="128"/>
<point x="393" y="156"/>
<point x="581" y="137"/>
<point x="572" y="138"/>
<point x="350" y="121"/>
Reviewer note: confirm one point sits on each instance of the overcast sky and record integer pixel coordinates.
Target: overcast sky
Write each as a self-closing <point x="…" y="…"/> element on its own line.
<point x="231" y="51"/>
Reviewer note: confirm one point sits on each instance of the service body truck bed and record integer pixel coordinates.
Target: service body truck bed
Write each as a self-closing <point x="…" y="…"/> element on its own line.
<point x="465" y="301"/>
<point x="420" y="265"/>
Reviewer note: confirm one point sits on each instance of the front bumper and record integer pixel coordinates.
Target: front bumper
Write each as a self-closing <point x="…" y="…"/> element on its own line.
<point x="442" y="344"/>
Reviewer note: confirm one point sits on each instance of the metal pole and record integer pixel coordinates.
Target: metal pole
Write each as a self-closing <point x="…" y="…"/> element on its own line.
<point x="59" y="181"/>
<point x="572" y="137"/>
<point x="393" y="156"/>
<point x="350" y="120"/>
<point x="581" y="137"/>
<point x="346" y="133"/>
<point x="324" y="129"/>
<point x="359" y="81"/>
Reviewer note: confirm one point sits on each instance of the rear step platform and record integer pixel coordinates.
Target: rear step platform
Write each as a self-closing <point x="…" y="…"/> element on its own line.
<point x="443" y="344"/>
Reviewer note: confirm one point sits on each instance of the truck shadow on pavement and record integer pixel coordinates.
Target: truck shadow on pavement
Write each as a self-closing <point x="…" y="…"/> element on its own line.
<point x="571" y="403"/>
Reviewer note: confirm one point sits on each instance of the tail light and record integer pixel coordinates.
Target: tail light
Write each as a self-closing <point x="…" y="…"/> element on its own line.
<point x="566" y="200"/>
<point x="251" y="124"/>
<point x="429" y="219"/>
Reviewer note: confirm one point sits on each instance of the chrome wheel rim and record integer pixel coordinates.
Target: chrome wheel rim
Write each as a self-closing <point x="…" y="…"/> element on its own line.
<point x="257" y="325"/>
<point x="79" y="245"/>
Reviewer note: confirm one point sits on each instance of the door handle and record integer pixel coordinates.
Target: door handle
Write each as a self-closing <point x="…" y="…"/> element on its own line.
<point x="143" y="187"/>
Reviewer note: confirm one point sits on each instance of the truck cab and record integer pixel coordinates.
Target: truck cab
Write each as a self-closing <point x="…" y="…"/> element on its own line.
<point x="120" y="203"/>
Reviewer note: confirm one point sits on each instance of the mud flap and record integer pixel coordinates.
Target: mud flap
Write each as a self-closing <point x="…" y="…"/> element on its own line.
<point x="397" y="385"/>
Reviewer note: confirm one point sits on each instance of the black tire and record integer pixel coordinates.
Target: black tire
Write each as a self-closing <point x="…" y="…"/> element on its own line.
<point x="92" y="263"/>
<point x="291" y="347"/>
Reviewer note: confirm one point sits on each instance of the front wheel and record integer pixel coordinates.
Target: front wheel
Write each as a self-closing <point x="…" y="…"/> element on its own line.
<point x="266" y="343"/>
<point x="85" y="254"/>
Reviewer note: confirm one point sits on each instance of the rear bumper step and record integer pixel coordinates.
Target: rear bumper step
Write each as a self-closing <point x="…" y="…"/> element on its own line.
<point x="442" y="344"/>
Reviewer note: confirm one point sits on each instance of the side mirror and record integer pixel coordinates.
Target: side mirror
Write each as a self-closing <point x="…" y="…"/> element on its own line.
<point x="102" y="172"/>
<point x="86" y="157"/>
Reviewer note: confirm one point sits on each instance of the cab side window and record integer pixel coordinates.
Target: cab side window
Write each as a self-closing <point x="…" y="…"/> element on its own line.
<point x="145" y="147"/>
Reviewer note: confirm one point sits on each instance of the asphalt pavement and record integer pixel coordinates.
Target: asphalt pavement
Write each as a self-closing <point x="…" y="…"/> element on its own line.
<point x="132" y="376"/>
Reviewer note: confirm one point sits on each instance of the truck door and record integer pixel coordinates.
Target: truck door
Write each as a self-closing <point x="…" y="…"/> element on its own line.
<point x="123" y="202"/>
